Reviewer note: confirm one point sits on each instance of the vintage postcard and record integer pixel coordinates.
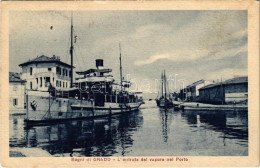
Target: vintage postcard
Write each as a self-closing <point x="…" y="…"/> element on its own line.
<point x="130" y="84"/>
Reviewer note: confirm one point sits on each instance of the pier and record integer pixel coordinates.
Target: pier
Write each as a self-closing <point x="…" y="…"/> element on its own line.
<point x="28" y="152"/>
<point x="193" y="106"/>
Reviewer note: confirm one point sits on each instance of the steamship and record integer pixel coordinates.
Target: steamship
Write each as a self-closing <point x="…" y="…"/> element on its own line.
<point x="95" y="93"/>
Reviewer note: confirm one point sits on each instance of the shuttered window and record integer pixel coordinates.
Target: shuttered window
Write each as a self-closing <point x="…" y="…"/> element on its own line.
<point x="15" y="102"/>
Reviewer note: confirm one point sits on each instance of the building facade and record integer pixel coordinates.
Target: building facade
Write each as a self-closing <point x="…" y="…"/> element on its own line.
<point x="192" y="90"/>
<point x="236" y="90"/>
<point x="43" y="71"/>
<point x="229" y="92"/>
<point x="16" y="92"/>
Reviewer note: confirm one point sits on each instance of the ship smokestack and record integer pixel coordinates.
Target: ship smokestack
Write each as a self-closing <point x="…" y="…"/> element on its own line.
<point x="99" y="63"/>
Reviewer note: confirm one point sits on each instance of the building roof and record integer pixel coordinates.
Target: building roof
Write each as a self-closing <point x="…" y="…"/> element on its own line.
<point x="45" y="59"/>
<point x="235" y="80"/>
<point x="243" y="79"/>
<point x="196" y="83"/>
<point x="15" y="77"/>
<point x="211" y="86"/>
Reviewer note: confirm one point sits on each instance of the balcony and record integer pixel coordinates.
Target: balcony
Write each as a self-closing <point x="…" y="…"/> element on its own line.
<point x="51" y="74"/>
<point x="43" y="74"/>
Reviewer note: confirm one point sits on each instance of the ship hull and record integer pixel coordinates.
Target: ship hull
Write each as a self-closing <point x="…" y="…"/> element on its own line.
<point x="163" y="103"/>
<point x="46" y="109"/>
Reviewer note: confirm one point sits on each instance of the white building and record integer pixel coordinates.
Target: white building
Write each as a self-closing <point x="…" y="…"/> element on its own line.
<point x="193" y="89"/>
<point x="16" y="92"/>
<point x="43" y="70"/>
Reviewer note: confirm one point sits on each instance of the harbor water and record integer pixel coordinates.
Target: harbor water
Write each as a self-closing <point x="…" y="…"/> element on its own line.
<point x="147" y="132"/>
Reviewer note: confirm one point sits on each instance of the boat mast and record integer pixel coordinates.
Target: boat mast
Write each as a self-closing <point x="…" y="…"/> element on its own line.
<point x="120" y="68"/>
<point x="222" y="92"/>
<point x="71" y="51"/>
<point x="164" y="84"/>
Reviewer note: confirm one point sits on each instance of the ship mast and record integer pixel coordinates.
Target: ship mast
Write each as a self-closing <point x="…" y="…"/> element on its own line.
<point x="120" y="68"/>
<point x="162" y="83"/>
<point x="164" y="78"/>
<point x="71" y="51"/>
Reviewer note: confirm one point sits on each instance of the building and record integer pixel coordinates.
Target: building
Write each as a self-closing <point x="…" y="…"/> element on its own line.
<point x="236" y="89"/>
<point x="228" y="92"/>
<point x="183" y="94"/>
<point x="16" y="92"/>
<point x="43" y="71"/>
<point x="192" y="90"/>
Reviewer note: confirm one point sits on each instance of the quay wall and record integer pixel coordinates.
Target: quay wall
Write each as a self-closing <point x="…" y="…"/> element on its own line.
<point x="228" y="94"/>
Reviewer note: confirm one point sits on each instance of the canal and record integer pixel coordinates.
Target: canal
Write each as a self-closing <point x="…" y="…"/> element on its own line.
<point x="148" y="132"/>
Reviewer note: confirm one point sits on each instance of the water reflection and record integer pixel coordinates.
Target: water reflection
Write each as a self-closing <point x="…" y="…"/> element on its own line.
<point x="97" y="137"/>
<point x="166" y="119"/>
<point x="232" y="125"/>
<point x="148" y="132"/>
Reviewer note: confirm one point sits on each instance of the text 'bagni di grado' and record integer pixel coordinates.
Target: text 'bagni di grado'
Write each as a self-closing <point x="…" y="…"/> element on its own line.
<point x="141" y="159"/>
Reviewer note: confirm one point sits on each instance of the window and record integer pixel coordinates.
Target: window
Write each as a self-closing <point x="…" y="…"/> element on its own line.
<point x="70" y="73"/>
<point x="15" y="102"/>
<point x="40" y="81"/>
<point x="31" y="70"/>
<point x="64" y="72"/>
<point x="57" y="83"/>
<point x="31" y="85"/>
<point x="49" y="69"/>
<point x="47" y="81"/>
<point x="58" y="70"/>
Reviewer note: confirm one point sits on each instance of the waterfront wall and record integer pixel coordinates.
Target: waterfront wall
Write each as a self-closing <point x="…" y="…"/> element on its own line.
<point x="226" y="93"/>
<point x="236" y="93"/>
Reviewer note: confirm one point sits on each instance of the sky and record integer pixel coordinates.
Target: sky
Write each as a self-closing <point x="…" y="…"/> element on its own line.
<point x="189" y="45"/>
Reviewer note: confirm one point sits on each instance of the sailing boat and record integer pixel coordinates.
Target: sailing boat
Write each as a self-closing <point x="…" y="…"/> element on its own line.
<point x="165" y="100"/>
<point x="94" y="94"/>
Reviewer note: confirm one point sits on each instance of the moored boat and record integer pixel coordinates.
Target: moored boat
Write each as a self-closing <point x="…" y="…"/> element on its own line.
<point x="164" y="99"/>
<point x="94" y="94"/>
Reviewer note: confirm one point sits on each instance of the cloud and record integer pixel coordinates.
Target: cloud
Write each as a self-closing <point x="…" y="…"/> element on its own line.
<point x="152" y="59"/>
<point x="230" y="46"/>
<point x="227" y="73"/>
<point x="212" y="35"/>
<point x="177" y="55"/>
<point x="223" y="53"/>
<point x="239" y="34"/>
<point x="193" y="44"/>
<point x="149" y="30"/>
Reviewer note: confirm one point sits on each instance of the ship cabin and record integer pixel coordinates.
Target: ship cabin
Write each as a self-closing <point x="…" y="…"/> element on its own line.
<point x="95" y="80"/>
<point x="98" y="85"/>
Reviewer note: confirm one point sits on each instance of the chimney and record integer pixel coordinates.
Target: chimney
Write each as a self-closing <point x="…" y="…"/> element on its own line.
<point x="99" y="63"/>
